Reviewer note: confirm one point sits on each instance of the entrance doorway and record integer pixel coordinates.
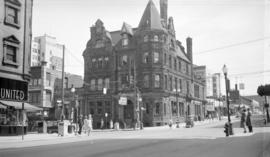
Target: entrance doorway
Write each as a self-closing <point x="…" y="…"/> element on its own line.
<point x="129" y="114"/>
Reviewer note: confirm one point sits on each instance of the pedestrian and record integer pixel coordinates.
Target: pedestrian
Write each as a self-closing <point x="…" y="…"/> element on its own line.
<point x="85" y="124"/>
<point x="248" y="121"/>
<point x="111" y="124"/>
<point x="80" y="122"/>
<point x="243" y="120"/>
<point x="170" y="123"/>
<point x="101" y="123"/>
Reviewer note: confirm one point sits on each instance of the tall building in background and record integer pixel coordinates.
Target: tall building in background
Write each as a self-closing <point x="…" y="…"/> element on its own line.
<point x="147" y="72"/>
<point x="45" y="48"/>
<point x="46" y="74"/>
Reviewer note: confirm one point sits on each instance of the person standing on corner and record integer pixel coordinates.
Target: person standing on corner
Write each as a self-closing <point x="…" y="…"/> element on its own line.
<point x="102" y="124"/>
<point x="80" y="122"/>
<point x="248" y="121"/>
<point x="243" y="120"/>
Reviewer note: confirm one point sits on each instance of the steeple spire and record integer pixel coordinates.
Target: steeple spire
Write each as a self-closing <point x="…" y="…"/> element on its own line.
<point x="151" y="18"/>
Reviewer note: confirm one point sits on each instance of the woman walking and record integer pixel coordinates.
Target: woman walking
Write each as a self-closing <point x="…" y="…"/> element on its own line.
<point x="248" y="121"/>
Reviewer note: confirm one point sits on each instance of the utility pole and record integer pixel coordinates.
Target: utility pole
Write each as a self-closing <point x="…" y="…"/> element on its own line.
<point x="63" y="82"/>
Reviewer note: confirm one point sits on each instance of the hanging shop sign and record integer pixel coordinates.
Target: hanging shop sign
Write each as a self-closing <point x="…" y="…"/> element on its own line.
<point x="123" y="101"/>
<point x="13" y="90"/>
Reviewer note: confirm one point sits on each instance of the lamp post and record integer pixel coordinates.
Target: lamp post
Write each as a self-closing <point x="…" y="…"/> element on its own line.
<point x="106" y="115"/>
<point x="177" y="106"/>
<point x="225" y="71"/>
<point x="76" y="118"/>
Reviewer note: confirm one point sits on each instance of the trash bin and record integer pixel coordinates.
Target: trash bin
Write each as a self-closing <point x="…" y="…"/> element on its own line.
<point x="40" y="127"/>
<point x="70" y="129"/>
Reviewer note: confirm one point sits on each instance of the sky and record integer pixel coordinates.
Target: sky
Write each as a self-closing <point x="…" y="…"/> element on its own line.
<point x="231" y="32"/>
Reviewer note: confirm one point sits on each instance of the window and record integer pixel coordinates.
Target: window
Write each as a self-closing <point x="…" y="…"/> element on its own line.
<point x="196" y="91"/>
<point x="99" y="44"/>
<point x="106" y="61"/>
<point x="124" y="60"/>
<point x="93" y="85"/>
<point x="99" y="107"/>
<point x="170" y="83"/>
<point x="175" y="64"/>
<point x="165" y="82"/>
<point x="157" y="81"/>
<point x="157" y="111"/>
<point x="165" y="59"/>
<point x="124" y="40"/>
<point x="155" y="38"/>
<point x="12" y="9"/>
<point x="156" y="57"/>
<point x="187" y="87"/>
<point x="180" y="84"/>
<point x="100" y="60"/>
<point x="107" y="83"/>
<point x="11" y="46"/>
<point x="170" y="61"/>
<point x="176" y="84"/>
<point x="93" y="63"/>
<point x="100" y="84"/>
<point x="164" y="109"/>
<point x="146" y="57"/>
<point x="145" y="38"/>
<point x="146" y="81"/>
<point x="179" y="65"/>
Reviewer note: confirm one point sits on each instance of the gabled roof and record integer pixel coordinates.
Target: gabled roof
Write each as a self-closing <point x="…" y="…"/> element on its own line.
<point x="151" y="18"/>
<point x="126" y="28"/>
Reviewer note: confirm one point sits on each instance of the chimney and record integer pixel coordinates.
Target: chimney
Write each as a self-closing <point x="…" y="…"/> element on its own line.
<point x="189" y="49"/>
<point x="189" y="55"/>
<point x="164" y="10"/>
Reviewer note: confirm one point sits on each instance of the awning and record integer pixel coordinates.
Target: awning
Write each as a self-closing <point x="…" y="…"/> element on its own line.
<point x="3" y="106"/>
<point x="18" y="105"/>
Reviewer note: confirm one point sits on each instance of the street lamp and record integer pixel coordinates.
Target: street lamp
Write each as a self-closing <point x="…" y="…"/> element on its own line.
<point x="106" y="115"/>
<point x="73" y="91"/>
<point x="225" y="71"/>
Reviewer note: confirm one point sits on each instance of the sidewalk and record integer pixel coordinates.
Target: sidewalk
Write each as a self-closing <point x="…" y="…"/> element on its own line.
<point x="201" y="130"/>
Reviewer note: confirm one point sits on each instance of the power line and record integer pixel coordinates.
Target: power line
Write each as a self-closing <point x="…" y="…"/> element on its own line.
<point x="232" y="45"/>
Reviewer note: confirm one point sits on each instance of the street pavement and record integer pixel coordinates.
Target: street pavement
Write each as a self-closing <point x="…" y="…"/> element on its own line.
<point x="205" y="139"/>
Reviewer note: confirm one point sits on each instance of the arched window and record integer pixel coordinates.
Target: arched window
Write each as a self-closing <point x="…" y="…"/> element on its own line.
<point x="146" y="81"/>
<point x="146" y="57"/>
<point x="157" y="81"/>
<point x="93" y="63"/>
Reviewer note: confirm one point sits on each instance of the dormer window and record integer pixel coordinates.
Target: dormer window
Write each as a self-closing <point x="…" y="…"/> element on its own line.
<point x="99" y="43"/>
<point x="125" y="40"/>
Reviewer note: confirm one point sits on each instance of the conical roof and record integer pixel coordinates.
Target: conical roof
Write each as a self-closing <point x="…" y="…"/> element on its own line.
<point x="151" y="18"/>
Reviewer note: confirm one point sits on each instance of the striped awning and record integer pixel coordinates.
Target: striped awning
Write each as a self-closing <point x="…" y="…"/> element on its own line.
<point x="18" y="105"/>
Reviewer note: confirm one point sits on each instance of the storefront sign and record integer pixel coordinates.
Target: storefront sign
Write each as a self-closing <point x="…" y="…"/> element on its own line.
<point x="13" y="90"/>
<point x="123" y="101"/>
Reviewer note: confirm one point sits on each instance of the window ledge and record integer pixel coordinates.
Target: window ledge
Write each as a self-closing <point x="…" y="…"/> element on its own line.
<point x="12" y="24"/>
<point x="10" y="63"/>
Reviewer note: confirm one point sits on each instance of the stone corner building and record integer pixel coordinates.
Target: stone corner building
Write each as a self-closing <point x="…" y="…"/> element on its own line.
<point x="148" y="66"/>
